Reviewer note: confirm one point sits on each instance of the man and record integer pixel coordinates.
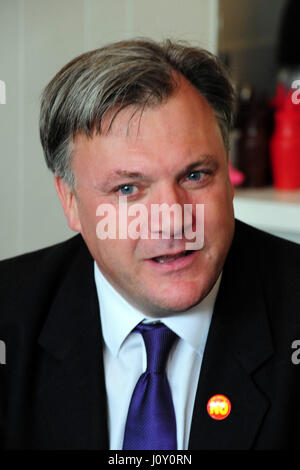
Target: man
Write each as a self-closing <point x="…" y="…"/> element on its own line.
<point x="140" y="342"/>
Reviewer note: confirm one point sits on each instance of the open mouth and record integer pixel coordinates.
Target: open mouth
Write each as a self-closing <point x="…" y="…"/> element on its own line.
<point x="170" y="258"/>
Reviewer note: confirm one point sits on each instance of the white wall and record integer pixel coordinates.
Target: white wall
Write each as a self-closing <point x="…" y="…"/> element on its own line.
<point x="37" y="37"/>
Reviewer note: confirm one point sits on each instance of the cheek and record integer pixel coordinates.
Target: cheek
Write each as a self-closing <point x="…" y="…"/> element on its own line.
<point x="116" y="259"/>
<point x="218" y="212"/>
<point x="88" y="219"/>
<point x="116" y="253"/>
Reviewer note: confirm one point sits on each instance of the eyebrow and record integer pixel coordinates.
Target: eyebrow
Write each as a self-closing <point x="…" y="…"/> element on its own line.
<point x="205" y="159"/>
<point x="115" y="175"/>
<point x="127" y="174"/>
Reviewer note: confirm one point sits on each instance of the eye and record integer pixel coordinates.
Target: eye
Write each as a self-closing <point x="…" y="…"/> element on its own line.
<point x="198" y="178"/>
<point x="126" y="189"/>
<point x="195" y="175"/>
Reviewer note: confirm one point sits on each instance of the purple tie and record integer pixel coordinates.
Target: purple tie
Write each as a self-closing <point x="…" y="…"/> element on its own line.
<point x="151" y="423"/>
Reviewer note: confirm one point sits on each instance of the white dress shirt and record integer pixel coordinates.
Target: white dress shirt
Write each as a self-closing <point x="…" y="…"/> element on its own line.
<point x="125" y="357"/>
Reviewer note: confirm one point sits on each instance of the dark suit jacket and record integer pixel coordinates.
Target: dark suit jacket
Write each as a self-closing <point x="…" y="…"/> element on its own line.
<point x="52" y="393"/>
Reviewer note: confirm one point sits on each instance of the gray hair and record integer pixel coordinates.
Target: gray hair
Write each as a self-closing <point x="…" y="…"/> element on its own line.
<point x="138" y="72"/>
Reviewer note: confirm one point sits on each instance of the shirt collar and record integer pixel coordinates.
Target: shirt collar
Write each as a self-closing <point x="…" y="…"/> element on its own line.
<point x="119" y="317"/>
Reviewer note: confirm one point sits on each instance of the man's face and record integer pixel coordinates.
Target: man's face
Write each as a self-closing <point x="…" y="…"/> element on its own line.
<point x="172" y="153"/>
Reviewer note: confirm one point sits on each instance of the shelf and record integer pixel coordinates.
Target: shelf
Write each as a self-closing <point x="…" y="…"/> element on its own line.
<point x="277" y="212"/>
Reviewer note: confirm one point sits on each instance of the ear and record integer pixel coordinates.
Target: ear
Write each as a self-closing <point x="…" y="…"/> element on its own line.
<point x="69" y="203"/>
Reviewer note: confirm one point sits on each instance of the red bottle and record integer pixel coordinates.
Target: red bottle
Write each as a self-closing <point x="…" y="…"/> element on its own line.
<point x="285" y="146"/>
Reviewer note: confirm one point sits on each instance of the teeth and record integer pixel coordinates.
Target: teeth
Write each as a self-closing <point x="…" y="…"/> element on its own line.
<point x="160" y="260"/>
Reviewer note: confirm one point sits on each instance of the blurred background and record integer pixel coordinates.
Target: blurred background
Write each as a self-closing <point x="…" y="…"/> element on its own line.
<point x="256" y="39"/>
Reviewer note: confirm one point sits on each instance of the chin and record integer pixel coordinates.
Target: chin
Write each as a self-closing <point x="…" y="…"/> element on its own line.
<point x="176" y="300"/>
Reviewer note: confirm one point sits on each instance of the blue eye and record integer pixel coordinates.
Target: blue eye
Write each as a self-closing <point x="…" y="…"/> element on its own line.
<point x="127" y="189"/>
<point x="195" y="175"/>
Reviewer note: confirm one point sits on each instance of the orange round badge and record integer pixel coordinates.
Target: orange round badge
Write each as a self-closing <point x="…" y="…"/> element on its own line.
<point x="218" y="407"/>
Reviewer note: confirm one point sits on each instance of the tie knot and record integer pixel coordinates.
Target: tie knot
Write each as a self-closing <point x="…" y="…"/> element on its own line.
<point x="158" y="339"/>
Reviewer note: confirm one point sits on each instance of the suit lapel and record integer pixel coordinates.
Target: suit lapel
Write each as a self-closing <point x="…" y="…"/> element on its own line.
<point x="238" y="344"/>
<point x="71" y="396"/>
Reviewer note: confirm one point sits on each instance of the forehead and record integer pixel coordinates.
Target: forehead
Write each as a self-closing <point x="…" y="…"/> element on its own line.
<point x="182" y="125"/>
<point x="183" y="109"/>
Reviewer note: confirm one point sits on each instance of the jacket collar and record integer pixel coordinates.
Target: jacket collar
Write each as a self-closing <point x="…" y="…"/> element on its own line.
<point x="74" y="312"/>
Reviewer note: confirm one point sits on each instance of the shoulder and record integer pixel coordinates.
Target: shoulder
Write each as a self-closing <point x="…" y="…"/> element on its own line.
<point x="26" y="280"/>
<point x="274" y="263"/>
<point x="12" y="269"/>
<point x="266" y="246"/>
<point x="274" y="257"/>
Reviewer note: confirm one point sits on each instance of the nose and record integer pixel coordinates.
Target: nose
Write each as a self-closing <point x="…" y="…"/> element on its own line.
<point x="166" y="212"/>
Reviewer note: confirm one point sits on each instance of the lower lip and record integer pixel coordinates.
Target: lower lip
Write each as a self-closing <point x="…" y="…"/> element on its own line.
<point x="175" y="265"/>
